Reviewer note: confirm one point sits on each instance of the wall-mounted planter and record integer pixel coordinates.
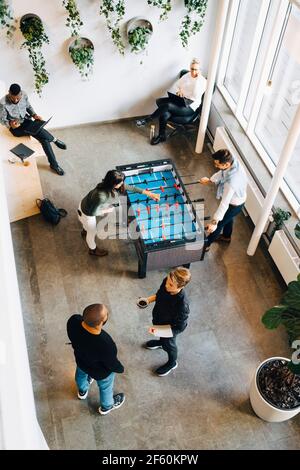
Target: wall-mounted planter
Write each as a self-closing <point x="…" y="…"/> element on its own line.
<point x="81" y="51"/>
<point x="32" y="28"/>
<point x="139" y="31"/>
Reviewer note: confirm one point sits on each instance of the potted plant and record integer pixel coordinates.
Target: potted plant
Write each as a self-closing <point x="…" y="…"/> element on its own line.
<point x="275" y="387"/>
<point x="73" y="21"/>
<point x="164" y="5"/>
<point x="81" y="51"/>
<point x="193" y="20"/>
<point x="279" y="216"/>
<point x="114" y="11"/>
<point x="33" y="31"/>
<point x="6" y="19"/>
<point x="297" y="230"/>
<point x="139" y="31"/>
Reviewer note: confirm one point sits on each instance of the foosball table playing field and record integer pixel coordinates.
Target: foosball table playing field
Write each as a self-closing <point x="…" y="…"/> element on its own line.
<point x="167" y="233"/>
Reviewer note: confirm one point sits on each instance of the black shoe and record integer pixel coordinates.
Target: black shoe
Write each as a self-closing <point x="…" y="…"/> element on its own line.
<point x="57" y="170"/>
<point x="82" y="395"/>
<point x="118" y="401"/>
<point x="153" y="344"/>
<point x="60" y="144"/>
<point x="142" y="122"/>
<point x="166" y="369"/>
<point x="156" y="140"/>
<point x="98" y="252"/>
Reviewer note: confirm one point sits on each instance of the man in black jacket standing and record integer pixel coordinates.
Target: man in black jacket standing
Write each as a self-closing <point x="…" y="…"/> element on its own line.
<point x="171" y="308"/>
<point x="96" y="356"/>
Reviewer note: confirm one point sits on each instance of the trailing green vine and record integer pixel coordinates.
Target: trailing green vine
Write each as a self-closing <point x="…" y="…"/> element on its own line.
<point x="193" y="20"/>
<point x="138" y="38"/>
<point x="33" y="31"/>
<point x="73" y="21"/>
<point x="6" y="19"/>
<point x="164" y="5"/>
<point x="82" y="54"/>
<point x="114" y="11"/>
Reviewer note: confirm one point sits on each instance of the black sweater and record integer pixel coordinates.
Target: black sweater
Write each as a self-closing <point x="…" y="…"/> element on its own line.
<point x="171" y="309"/>
<point x="95" y="354"/>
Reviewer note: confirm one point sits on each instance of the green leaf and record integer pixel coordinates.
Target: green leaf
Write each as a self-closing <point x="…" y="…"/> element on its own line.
<point x="292" y="296"/>
<point x="295" y="368"/>
<point x="272" y="318"/>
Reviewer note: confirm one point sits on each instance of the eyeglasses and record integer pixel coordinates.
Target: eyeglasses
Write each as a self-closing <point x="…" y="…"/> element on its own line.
<point x="194" y="70"/>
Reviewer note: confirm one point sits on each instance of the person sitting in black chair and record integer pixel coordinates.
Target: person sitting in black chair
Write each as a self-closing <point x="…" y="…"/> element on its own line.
<point x="191" y="85"/>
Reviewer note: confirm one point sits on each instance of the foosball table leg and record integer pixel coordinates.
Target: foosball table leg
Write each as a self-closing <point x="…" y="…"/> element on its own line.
<point x="203" y="252"/>
<point x="142" y="269"/>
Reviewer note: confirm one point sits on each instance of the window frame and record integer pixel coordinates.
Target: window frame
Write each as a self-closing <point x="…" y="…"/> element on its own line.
<point x="280" y="21"/>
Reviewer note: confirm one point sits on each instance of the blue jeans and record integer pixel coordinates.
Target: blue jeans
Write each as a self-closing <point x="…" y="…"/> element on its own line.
<point x="106" y="387"/>
<point x="225" y="225"/>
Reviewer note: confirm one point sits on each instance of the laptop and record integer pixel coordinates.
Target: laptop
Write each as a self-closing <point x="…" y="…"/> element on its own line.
<point x="33" y="127"/>
<point x="22" y="151"/>
<point x="179" y="100"/>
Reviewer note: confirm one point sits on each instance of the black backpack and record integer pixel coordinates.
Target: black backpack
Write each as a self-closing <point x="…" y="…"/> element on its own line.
<point x="50" y="213"/>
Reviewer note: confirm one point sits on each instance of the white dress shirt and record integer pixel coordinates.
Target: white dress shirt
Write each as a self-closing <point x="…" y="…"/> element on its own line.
<point x="229" y="197"/>
<point x="192" y="88"/>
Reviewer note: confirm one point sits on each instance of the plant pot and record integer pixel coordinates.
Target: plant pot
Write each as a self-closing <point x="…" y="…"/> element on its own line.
<point x="262" y="408"/>
<point x="79" y="43"/>
<point x="138" y="22"/>
<point x="27" y="17"/>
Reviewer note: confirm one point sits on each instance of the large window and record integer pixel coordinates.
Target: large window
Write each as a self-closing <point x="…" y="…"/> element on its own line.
<point x="260" y="78"/>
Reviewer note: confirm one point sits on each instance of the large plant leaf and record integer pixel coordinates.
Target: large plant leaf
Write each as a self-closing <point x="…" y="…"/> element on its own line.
<point x="292" y="296"/>
<point x="273" y="317"/>
<point x="295" y="368"/>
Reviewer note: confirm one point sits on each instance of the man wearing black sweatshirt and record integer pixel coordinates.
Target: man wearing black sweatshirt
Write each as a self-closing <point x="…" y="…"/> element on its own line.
<point x="96" y="356"/>
<point x="171" y="308"/>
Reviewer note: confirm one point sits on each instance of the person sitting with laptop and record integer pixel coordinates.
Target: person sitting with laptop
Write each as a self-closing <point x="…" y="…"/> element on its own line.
<point x="16" y="114"/>
<point x="190" y="87"/>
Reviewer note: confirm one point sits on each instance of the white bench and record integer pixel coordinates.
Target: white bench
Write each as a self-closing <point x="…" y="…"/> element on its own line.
<point x="22" y="183"/>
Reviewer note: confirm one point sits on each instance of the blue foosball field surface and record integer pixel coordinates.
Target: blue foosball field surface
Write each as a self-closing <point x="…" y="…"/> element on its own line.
<point x="169" y="219"/>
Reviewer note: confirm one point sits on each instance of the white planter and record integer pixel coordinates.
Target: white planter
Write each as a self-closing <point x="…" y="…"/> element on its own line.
<point x="262" y="408"/>
<point x="138" y="21"/>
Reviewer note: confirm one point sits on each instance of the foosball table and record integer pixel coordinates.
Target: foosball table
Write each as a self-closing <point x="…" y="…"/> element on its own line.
<point x="167" y="233"/>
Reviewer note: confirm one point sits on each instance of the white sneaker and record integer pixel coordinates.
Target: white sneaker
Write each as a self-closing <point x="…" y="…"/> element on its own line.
<point x="119" y="399"/>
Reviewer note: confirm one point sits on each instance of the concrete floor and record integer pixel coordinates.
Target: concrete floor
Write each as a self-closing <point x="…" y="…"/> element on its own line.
<point x="204" y="404"/>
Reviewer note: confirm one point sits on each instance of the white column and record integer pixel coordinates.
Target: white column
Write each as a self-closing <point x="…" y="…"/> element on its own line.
<point x="212" y="71"/>
<point x="284" y="159"/>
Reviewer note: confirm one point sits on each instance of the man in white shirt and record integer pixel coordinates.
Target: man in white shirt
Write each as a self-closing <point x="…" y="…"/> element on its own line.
<point x="231" y="182"/>
<point x="191" y="85"/>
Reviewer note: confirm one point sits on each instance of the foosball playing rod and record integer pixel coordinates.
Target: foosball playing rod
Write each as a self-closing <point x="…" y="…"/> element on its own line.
<point x="175" y="203"/>
<point x="165" y="225"/>
<point x="159" y="179"/>
<point x="178" y="238"/>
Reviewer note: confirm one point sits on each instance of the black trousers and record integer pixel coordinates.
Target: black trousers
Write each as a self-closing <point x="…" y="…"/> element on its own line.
<point x="225" y="225"/>
<point x="43" y="136"/>
<point x="169" y="345"/>
<point x="166" y="109"/>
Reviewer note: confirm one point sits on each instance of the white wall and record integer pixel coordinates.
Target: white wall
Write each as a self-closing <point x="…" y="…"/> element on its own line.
<point x="120" y="86"/>
<point x="19" y="428"/>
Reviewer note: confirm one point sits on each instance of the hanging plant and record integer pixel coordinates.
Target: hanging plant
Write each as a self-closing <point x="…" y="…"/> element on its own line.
<point x="297" y="230"/>
<point x="81" y="51"/>
<point x="6" y="19"/>
<point x="139" y="31"/>
<point x="164" y="5"/>
<point x="193" y="20"/>
<point x="138" y="38"/>
<point x="73" y="21"/>
<point x="33" y="31"/>
<point x="114" y="11"/>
